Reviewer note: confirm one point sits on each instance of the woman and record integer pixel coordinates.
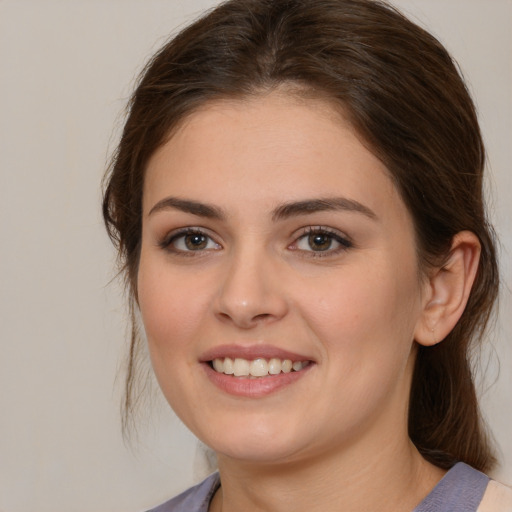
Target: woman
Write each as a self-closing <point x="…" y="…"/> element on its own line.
<point x="297" y="202"/>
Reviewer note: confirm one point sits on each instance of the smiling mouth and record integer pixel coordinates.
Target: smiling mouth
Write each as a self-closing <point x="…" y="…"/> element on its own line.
<point x="256" y="368"/>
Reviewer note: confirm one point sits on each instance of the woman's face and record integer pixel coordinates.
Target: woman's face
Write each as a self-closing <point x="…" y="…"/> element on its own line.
<point x="271" y="234"/>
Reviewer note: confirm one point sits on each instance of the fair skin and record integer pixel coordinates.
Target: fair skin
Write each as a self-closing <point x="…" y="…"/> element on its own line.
<point x="271" y="232"/>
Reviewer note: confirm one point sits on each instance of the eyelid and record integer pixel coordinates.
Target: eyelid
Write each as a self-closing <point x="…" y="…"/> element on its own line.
<point x="340" y="237"/>
<point x="344" y="241"/>
<point x="167" y="241"/>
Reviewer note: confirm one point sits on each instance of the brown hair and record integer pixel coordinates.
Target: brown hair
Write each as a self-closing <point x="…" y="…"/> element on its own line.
<point x="402" y="93"/>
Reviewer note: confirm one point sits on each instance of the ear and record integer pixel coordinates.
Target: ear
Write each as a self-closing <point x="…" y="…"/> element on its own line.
<point x="447" y="290"/>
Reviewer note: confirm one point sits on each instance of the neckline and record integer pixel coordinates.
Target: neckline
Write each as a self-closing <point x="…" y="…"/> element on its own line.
<point x="460" y="490"/>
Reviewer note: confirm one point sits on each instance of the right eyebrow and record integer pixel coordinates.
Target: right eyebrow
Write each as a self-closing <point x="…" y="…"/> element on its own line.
<point x="187" y="206"/>
<point x="310" y="206"/>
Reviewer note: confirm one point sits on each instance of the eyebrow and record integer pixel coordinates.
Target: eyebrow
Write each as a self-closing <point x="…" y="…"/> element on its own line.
<point x="281" y="212"/>
<point x="188" y="206"/>
<point x="309" y="206"/>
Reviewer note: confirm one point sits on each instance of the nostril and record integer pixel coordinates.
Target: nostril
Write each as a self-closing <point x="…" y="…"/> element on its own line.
<point x="245" y="321"/>
<point x="262" y="316"/>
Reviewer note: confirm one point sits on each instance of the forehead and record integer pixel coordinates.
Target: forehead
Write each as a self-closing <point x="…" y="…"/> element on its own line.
<point x="267" y="148"/>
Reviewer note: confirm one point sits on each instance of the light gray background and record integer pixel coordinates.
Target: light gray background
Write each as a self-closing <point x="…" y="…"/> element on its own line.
<point x="67" y="68"/>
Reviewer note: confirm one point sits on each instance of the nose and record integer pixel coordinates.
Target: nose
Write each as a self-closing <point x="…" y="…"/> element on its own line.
<point x="251" y="292"/>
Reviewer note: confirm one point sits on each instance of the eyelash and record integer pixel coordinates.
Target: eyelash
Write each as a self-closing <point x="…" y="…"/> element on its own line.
<point x="332" y="235"/>
<point x="168" y="241"/>
<point x="344" y="243"/>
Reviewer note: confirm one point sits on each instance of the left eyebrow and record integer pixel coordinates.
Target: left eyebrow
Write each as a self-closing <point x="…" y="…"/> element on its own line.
<point x="310" y="206"/>
<point x="188" y="206"/>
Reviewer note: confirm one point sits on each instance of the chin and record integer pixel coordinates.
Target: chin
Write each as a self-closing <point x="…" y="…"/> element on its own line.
<point x="261" y="444"/>
<point x="256" y="453"/>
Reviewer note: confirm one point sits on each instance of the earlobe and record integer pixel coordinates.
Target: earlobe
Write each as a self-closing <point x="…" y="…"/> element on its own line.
<point x="448" y="290"/>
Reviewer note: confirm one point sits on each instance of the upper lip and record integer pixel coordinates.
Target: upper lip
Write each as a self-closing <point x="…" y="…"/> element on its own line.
<point x="251" y="352"/>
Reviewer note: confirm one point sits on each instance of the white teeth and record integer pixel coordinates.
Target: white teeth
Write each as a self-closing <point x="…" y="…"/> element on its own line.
<point x="297" y="366"/>
<point x="274" y="366"/>
<point x="257" y="367"/>
<point x="228" y="366"/>
<point x="241" y="367"/>
<point x="218" y="364"/>
<point x="287" y="366"/>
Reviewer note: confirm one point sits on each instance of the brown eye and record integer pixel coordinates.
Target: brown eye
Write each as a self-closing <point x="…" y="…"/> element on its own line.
<point x="320" y="241"/>
<point x="190" y="241"/>
<point x="317" y="240"/>
<point x="195" y="241"/>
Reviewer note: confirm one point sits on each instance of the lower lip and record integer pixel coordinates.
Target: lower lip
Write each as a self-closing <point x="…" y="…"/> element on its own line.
<point x="254" y="388"/>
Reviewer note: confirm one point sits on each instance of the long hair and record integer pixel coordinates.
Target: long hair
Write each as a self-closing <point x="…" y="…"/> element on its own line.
<point x="402" y="93"/>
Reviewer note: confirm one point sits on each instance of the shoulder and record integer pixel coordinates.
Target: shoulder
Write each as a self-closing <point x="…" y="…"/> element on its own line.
<point x="497" y="498"/>
<point x="195" y="499"/>
<point x="460" y="490"/>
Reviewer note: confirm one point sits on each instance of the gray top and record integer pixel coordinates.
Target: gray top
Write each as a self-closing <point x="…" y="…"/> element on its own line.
<point x="460" y="490"/>
<point x="195" y="499"/>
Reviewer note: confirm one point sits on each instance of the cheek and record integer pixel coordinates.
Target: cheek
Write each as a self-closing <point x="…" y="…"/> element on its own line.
<point x="170" y="306"/>
<point x="365" y="324"/>
<point x="367" y="314"/>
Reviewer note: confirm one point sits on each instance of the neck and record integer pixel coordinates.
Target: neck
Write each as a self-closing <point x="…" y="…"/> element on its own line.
<point x="393" y="478"/>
